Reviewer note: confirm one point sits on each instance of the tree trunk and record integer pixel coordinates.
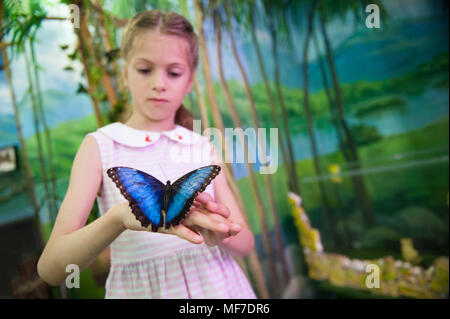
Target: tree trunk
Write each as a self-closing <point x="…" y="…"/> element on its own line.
<point x="123" y="93"/>
<point x="253" y="258"/>
<point x="105" y="79"/>
<point x="217" y="117"/>
<point x="341" y="137"/>
<point x="261" y="143"/>
<point x="358" y="184"/>
<point x="92" y="86"/>
<point x="237" y="123"/>
<point x="23" y="150"/>
<point x="53" y="205"/>
<point x="284" y="115"/>
<point x="41" y="156"/>
<point x="289" y="174"/>
<point x="108" y="44"/>
<point x="201" y="104"/>
<point x="329" y="220"/>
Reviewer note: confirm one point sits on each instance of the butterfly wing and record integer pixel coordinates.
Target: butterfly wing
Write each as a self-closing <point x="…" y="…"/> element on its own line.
<point x="144" y="192"/>
<point x="184" y="191"/>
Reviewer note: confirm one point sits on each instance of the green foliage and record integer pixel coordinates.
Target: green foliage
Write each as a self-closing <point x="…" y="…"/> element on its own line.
<point x="116" y="111"/>
<point x="81" y="89"/>
<point x="377" y="105"/>
<point x="365" y="134"/>
<point x="66" y="139"/>
<point x="96" y="74"/>
<point x="429" y="74"/>
<point x="23" y="20"/>
<point x="420" y="222"/>
<point x="74" y="55"/>
<point x="380" y="237"/>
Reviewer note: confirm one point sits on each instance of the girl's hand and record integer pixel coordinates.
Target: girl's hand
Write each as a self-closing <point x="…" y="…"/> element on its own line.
<point x="204" y="218"/>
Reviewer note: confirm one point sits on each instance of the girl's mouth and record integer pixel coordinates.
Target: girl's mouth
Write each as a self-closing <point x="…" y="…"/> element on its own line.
<point x="158" y="101"/>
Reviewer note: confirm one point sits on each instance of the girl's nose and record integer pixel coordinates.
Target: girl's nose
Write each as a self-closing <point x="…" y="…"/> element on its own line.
<point x="158" y="82"/>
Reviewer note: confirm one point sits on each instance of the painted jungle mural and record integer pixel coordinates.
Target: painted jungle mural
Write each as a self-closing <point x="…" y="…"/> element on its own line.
<point x="362" y="112"/>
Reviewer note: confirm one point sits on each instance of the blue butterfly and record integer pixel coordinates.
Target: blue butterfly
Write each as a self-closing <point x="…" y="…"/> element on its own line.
<point x="156" y="204"/>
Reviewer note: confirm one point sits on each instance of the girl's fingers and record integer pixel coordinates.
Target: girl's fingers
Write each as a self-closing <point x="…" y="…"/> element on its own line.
<point x="186" y="233"/>
<point x="235" y="229"/>
<point x="205" y="200"/>
<point x="197" y="218"/>
<point x="218" y="208"/>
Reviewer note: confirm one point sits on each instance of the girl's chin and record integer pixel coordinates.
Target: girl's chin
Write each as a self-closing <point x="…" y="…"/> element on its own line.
<point x="157" y="117"/>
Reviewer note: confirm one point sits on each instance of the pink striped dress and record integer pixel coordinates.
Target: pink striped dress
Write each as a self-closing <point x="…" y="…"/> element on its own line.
<point x="154" y="265"/>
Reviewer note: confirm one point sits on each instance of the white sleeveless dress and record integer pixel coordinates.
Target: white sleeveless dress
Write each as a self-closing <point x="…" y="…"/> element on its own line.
<point x="154" y="265"/>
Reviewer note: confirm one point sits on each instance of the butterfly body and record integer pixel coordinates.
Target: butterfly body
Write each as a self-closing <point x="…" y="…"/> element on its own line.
<point x="157" y="204"/>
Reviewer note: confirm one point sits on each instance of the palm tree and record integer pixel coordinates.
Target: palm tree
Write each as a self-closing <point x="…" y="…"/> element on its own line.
<point x="328" y="217"/>
<point x="25" y="159"/>
<point x="98" y="53"/>
<point x="275" y="12"/>
<point x="105" y="25"/>
<point x="339" y="7"/>
<point x="41" y="156"/>
<point x="53" y="196"/>
<point x="338" y="130"/>
<point x="229" y="12"/>
<point x="288" y="167"/>
<point x="93" y="57"/>
<point x="326" y="87"/>
<point x="201" y="103"/>
<point x="25" y="20"/>
<point x="199" y="18"/>
<point x="197" y="87"/>
<point x="217" y="117"/>
<point x="92" y="88"/>
<point x="237" y="123"/>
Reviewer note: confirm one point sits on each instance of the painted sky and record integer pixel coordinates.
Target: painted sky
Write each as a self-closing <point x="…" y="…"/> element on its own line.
<point x="52" y="59"/>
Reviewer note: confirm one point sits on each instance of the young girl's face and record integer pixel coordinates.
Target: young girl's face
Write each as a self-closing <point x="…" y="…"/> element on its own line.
<point x="157" y="68"/>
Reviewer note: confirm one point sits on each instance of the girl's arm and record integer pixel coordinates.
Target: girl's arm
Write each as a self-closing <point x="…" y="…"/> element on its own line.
<point x="70" y="242"/>
<point x="241" y="244"/>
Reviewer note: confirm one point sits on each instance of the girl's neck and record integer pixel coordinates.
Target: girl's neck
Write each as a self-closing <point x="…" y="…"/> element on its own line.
<point x="149" y="125"/>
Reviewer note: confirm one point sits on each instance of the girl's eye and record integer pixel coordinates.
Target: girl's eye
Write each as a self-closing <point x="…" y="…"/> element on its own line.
<point x="146" y="71"/>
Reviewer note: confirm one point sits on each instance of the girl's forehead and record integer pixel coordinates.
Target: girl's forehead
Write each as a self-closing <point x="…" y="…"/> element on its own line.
<point x="155" y="47"/>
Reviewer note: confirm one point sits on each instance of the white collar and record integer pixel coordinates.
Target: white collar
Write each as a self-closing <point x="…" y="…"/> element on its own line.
<point x="129" y="136"/>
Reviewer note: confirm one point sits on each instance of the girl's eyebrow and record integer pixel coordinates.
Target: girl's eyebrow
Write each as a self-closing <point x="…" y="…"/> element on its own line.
<point x="150" y="62"/>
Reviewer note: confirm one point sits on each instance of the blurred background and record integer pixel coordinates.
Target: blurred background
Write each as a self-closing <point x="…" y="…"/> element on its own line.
<point x="357" y="89"/>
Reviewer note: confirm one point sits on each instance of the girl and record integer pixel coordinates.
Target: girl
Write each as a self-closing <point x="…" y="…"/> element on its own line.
<point x="191" y="260"/>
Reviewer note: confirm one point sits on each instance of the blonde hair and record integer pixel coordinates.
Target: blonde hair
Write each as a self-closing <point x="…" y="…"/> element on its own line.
<point x="169" y="23"/>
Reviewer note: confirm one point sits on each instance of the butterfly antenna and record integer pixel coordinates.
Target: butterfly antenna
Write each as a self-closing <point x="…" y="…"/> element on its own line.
<point x="163" y="171"/>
